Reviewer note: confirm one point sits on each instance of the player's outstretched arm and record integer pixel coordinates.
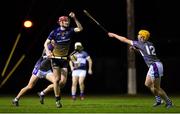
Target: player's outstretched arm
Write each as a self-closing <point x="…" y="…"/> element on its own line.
<point x="79" y="26"/>
<point x="121" y="38"/>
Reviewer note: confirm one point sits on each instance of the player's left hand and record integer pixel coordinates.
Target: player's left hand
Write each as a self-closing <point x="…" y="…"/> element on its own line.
<point x="90" y="72"/>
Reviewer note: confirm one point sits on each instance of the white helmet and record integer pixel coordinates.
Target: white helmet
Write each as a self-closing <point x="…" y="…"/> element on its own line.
<point x="77" y="44"/>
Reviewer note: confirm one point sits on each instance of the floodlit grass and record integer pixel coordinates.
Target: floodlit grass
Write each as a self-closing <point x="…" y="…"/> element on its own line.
<point x="91" y="104"/>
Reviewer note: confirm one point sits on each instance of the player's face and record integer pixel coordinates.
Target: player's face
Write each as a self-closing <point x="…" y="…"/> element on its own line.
<point x="140" y="38"/>
<point x="64" y="23"/>
<point x="79" y="48"/>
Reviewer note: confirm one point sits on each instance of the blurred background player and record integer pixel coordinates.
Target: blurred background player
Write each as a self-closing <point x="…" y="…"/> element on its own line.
<point x="42" y="69"/>
<point x="155" y="72"/>
<point x="62" y="37"/>
<point x="78" y="64"/>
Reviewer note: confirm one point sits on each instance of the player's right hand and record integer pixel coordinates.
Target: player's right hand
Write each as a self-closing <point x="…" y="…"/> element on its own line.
<point x="110" y="34"/>
<point x="90" y="72"/>
<point x="49" y="54"/>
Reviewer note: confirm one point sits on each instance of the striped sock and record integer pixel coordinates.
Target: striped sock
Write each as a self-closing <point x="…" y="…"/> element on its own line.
<point x="158" y="99"/>
<point x="168" y="101"/>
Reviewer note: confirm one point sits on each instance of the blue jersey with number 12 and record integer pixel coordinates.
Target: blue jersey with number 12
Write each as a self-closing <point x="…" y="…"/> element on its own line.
<point x="147" y="51"/>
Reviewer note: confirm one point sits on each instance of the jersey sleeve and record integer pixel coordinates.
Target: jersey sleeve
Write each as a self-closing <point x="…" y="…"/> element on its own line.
<point x="136" y="44"/>
<point x="86" y="55"/>
<point x="51" y="35"/>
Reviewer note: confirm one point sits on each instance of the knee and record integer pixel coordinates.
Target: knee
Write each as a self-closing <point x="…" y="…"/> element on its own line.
<point x="51" y="86"/>
<point x="62" y="83"/>
<point x="153" y="89"/>
<point x="81" y="83"/>
<point x="157" y="87"/>
<point x="29" y="87"/>
<point x="56" y="80"/>
<point x="74" y="83"/>
<point x="148" y="85"/>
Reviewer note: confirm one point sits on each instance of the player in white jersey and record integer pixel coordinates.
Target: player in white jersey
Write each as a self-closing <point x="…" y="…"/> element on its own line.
<point x="155" y="72"/>
<point x="78" y="64"/>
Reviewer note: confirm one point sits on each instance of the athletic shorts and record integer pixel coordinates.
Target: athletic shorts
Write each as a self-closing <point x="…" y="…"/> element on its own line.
<point x="39" y="73"/>
<point x="61" y="63"/>
<point x="79" y="73"/>
<point x="155" y="70"/>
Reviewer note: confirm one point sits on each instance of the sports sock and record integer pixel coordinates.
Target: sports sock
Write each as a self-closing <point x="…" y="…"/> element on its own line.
<point x="168" y="101"/>
<point x="16" y="99"/>
<point x="81" y="94"/>
<point x="158" y="99"/>
<point x="42" y="93"/>
<point x="58" y="98"/>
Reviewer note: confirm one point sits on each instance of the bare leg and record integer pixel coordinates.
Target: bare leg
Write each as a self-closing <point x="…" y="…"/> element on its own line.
<point x="150" y="84"/>
<point x="81" y="86"/>
<point x="74" y="86"/>
<point x="154" y="85"/>
<point x="57" y="78"/>
<point x="62" y="82"/>
<point x="63" y="77"/>
<point x="30" y="85"/>
<point x="50" y="87"/>
<point x="161" y="92"/>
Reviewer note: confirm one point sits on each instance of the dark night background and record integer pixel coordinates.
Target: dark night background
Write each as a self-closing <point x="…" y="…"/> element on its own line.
<point x="109" y="56"/>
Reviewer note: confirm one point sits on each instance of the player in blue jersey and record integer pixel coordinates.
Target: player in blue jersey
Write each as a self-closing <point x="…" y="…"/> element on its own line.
<point x="42" y="69"/>
<point x="62" y="37"/>
<point x="155" y="72"/>
<point x="78" y="64"/>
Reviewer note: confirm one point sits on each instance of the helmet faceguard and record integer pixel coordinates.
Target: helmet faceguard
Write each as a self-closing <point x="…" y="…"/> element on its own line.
<point x="78" y="46"/>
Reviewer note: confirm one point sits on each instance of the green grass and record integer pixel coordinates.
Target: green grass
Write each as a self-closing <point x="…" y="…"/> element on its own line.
<point x="91" y="104"/>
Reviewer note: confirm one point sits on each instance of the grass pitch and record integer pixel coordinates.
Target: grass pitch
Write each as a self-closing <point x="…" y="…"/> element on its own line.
<point x="91" y="104"/>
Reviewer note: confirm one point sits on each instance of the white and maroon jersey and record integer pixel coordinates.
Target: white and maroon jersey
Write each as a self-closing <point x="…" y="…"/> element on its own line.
<point x="81" y="61"/>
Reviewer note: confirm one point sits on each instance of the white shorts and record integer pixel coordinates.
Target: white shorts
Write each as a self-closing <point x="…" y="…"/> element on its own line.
<point x="155" y="70"/>
<point x="79" y="73"/>
<point x="42" y="74"/>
